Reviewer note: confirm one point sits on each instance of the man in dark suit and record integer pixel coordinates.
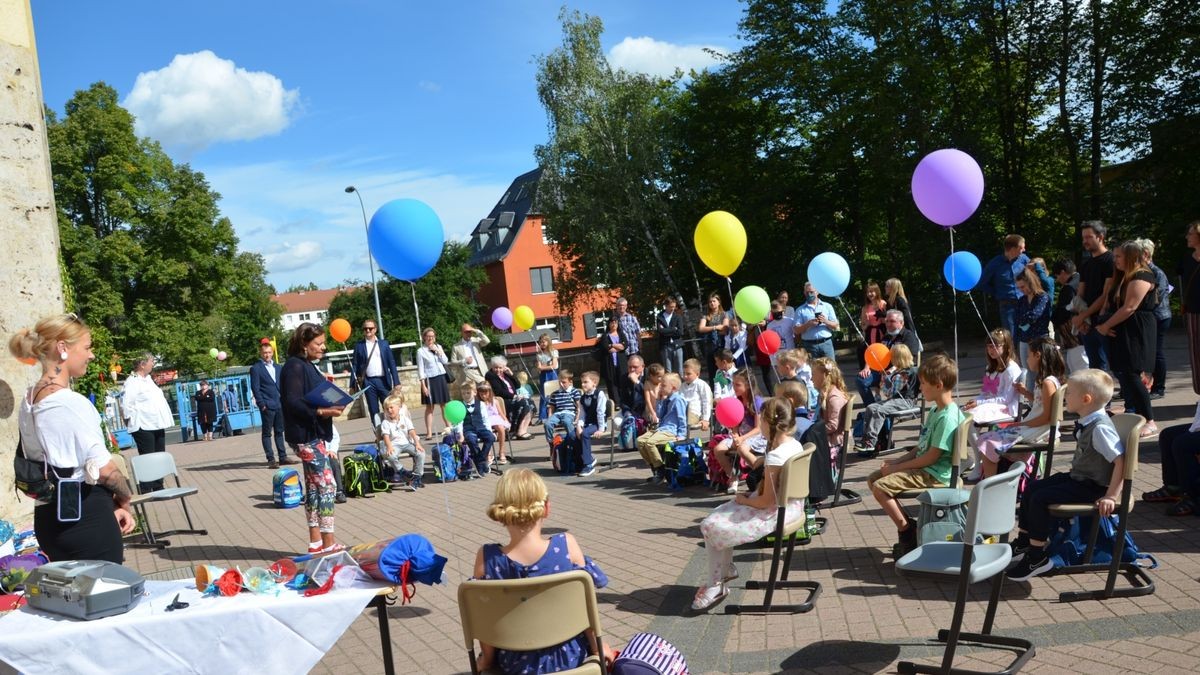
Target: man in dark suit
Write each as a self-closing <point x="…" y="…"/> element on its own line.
<point x="373" y="367"/>
<point x="670" y="337"/>
<point x="264" y="384"/>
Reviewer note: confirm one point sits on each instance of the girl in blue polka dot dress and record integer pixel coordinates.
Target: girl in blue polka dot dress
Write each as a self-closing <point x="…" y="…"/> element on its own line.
<point x="522" y="505"/>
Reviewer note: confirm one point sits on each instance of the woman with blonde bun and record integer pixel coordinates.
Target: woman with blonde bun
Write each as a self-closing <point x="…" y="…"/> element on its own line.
<point x="61" y="428"/>
<point x="521" y="505"/>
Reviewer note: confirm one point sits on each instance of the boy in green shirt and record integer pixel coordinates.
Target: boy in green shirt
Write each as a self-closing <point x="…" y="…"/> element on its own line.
<point x="928" y="464"/>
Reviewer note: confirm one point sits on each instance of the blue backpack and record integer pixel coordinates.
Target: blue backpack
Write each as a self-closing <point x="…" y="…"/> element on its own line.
<point x="1069" y="544"/>
<point x="628" y="433"/>
<point x="685" y="463"/>
<point x="445" y="462"/>
<point x="566" y="455"/>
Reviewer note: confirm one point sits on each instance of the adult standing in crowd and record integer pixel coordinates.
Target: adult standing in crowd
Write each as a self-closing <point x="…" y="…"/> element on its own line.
<point x="147" y="414"/>
<point x="547" y="365"/>
<point x="504" y="385"/>
<point x="784" y="301"/>
<point x="871" y="317"/>
<point x="1132" y="327"/>
<point x="1162" y="317"/>
<point x="1189" y="280"/>
<point x="815" y="322"/>
<point x="610" y="351"/>
<point x="374" y="367"/>
<point x="999" y="279"/>
<point x="62" y="428"/>
<point x="264" y="384"/>
<point x="435" y="387"/>
<point x="631" y="329"/>
<point x="308" y="428"/>
<point x="894" y="333"/>
<point x="468" y="353"/>
<point x="670" y="336"/>
<point x="1095" y="271"/>
<point x="712" y="329"/>
<point x="205" y="403"/>
<point x="893" y="291"/>
<point x="1033" y="318"/>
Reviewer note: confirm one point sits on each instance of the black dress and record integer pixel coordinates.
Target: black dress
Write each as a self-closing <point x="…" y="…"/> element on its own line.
<point x="613" y="373"/>
<point x="206" y="409"/>
<point x="1134" y="339"/>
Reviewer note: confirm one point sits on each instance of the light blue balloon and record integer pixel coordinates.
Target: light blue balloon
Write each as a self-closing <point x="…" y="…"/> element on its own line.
<point x="406" y="238"/>
<point x="829" y="273"/>
<point x="962" y="270"/>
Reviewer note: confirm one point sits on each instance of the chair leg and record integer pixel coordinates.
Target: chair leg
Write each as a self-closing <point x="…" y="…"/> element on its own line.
<point x="776" y="581"/>
<point x="993" y="602"/>
<point x="1093" y="534"/>
<point x="191" y="529"/>
<point x="787" y="559"/>
<point x="149" y="540"/>
<point x="842" y="496"/>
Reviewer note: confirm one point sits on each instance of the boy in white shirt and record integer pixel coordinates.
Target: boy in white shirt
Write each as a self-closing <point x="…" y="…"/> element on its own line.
<point x="400" y="438"/>
<point x="697" y="394"/>
<point x="723" y="378"/>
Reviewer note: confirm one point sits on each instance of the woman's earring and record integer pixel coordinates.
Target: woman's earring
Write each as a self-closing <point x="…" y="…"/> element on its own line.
<point x="62" y="355"/>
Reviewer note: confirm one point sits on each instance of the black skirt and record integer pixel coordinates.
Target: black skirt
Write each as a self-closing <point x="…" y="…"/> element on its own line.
<point x="1134" y="344"/>
<point x="439" y="391"/>
<point x="95" y="536"/>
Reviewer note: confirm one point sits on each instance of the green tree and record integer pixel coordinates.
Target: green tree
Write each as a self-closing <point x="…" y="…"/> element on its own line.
<point x="298" y="288"/>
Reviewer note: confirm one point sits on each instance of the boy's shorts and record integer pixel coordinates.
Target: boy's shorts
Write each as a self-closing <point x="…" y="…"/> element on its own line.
<point x="895" y="483"/>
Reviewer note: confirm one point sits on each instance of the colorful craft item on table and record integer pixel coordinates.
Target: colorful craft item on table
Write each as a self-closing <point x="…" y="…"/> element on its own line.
<point x="229" y="583"/>
<point x="284" y="570"/>
<point x="206" y="575"/>
<point x="261" y="581"/>
<point x="15" y="569"/>
<point x="720" y="241"/>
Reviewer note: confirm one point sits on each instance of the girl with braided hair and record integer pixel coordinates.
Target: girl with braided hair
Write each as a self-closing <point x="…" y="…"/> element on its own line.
<point x="521" y="505"/>
<point x="749" y="517"/>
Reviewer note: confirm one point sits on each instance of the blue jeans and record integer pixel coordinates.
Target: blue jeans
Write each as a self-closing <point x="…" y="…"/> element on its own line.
<point x="1093" y="344"/>
<point x="567" y="419"/>
<point x="672" y="359"/>
<point x="1008" y="316"/>
<point x="479" y="444"/>
<point x="377" y="390"/>
<point x="819" y="348"/>
<point x="585" y="442"/>
<point x="864" y="387"/>
<point x="272" y="425"/>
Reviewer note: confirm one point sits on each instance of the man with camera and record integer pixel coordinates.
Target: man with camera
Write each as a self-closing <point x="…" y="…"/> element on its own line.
<point x="815" y="323"/>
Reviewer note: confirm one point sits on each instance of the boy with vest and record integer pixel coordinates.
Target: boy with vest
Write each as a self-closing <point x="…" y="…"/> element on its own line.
<point x="593" y="418"/>
<point x="476" y="432"/>
<point x="1095" y="475"/>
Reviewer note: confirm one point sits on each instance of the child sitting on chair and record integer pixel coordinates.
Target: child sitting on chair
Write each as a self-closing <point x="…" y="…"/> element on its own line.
<point x="593" y="418"/>
<point x="1046" y="360"/>
<point x="522" y="505"/>
<point x="672" y="425"/>
<point x="749" y="517"/>
<point x="746" y="439"/>
<point x="928" y="464"/>
<point x="1096" y="475"/>
<point x="697" y="394"/>
<point x="723" y="378"/>
<point x="476" y="432"/>
<point x="563" y="408"/>
<point x="400" y="438"/>
<point x="654" y="378"/>
<point x="897" y="393"/>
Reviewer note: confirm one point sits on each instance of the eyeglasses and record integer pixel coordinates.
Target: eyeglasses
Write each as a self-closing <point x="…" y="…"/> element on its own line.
<point x="368" y="327"/>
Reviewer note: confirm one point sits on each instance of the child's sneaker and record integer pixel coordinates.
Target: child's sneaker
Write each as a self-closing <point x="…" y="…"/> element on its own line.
<point x="733" y="487"/>
<point x="417" y="483"/>
<point x="588" y="469"/>
<point x="1031" y="565"/>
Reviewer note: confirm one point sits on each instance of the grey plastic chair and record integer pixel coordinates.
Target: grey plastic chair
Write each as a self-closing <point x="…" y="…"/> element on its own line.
<point x="152" y="467"/>
<point x="845" y="496"/>
<point x="1056" y="418"/>
<point x="991" y="511"/>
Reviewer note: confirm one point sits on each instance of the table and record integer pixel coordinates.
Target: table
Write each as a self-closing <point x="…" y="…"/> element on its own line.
<point x="241" y="634"/>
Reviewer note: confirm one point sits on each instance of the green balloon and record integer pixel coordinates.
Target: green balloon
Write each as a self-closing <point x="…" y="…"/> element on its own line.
<point x="455" y="412"/>
<point x="213" y="352"/>
<point x="752" y="304"/>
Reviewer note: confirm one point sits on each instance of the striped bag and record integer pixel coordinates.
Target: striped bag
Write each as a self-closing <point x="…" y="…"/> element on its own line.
<point x="649" y="654"/>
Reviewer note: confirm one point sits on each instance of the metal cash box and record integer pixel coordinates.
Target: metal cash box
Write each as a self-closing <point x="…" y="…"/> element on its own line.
<point x="84" y="589"/>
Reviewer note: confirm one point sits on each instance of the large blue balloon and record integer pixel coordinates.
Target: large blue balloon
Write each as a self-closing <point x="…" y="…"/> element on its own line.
<point x="962" y="270"/>
<point x="406" y="238"/>
<point x="829" y="273"/>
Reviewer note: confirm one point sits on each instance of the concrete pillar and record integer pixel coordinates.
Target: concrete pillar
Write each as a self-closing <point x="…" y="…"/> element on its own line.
<point x="30" y="281"/>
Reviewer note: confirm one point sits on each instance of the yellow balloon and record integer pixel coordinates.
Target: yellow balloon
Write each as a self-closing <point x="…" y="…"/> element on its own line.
<point x="523" y="317"/>
<point x="721" y="242"/>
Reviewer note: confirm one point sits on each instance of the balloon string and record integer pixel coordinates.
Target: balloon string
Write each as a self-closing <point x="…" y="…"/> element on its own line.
<point x="954" y="300"/>
<point x="416" y="310"/>
<point x="850" y="318"/>
<point x="986" y="331"/>
<point x="450" y="521"/>
<point x="729" y="286"/>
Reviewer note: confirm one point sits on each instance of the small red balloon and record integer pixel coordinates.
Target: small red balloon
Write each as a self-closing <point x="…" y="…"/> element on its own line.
<point x="878" y="356"/>
<point x="768" y="342"/>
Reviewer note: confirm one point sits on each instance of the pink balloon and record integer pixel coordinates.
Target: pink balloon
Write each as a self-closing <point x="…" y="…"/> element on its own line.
<point x="947" y="186"/>
<point x="221" y="356"/>
<point x="730" y="412"/>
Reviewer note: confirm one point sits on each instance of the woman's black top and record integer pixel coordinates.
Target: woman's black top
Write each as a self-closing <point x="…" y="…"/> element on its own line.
<point x="300" y="421"/>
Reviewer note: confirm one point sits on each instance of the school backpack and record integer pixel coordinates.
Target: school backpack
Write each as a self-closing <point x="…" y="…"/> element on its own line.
<point x="649" y="654"/>
<point x="628" y="433"/>
<point x="717" y="478"/>
<point x="446" y="458"/>
<point x="285" y="489"/>
<point x="943" y="514"/>
<point x="566" y="454"/>
<point x="1069" y="544"/>
<point x="361" y="476"/>
<point x="685" y="463"/>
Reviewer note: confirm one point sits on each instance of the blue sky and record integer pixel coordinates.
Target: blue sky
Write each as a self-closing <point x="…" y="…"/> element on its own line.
<point x="284" y="104"/>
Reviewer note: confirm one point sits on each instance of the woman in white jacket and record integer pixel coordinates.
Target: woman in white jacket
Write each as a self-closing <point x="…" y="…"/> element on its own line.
<point x="147" y="415"/>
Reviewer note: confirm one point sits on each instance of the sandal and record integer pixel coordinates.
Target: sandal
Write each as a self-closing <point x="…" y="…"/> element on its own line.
<point x="333" y="548"/>
<point x="1187" y="507"/>
<point x="315" y="551"/>
<point x="1162" y="495"/>
<point x="502" y="460"/>
<point x="1149" y="431"/>
<point x="708" y="597"/>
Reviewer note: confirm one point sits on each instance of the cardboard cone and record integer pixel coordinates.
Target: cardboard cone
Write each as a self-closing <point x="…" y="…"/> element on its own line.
<point x="207" y="574"/>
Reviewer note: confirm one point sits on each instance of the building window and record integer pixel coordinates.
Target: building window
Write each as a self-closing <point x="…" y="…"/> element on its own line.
<point x="541" y="279"/>
<point x="545" y="237"/>
<point x="304" y="317"/>
<point x="566" y="329"/>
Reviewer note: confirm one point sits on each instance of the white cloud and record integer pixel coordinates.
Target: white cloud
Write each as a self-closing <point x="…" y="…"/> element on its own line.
<point x="201" y="99"/>
<point x="660" y="59"/>
<point x="290" y="257"/>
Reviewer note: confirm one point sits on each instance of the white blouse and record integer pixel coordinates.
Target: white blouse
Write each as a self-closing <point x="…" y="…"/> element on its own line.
<point x="144" y="405"/>
<point x="64" y="428"/>
<point x="430" y="363"/>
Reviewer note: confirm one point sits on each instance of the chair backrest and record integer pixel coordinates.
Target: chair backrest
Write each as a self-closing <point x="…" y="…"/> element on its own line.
<point x="1056" y="406"/>
<point x="847" y="422"/>
<point x="528" y="614"/>
<point x="549" y="388"/>
<point x="152" y="466"/>
<point x="1129" y="427"/>
<point x="793" y="476"/>
<point x="961" y="447"/>
<point x="992" y="509"/>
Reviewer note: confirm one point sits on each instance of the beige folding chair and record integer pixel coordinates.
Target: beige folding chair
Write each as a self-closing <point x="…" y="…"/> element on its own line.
<point x="843" y="496"/>
<point x="1056" y="418"/>
<point x="1129" y="426"/>
<point x="529" y="614"/>
<point x="793" y="484"/>
<point x="155" y="466"/>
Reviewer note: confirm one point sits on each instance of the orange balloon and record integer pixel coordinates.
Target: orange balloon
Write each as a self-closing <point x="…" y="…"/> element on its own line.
<point x="878" y="356"/>
<point x="339" y="329"/>
<point x="117" y="368"/>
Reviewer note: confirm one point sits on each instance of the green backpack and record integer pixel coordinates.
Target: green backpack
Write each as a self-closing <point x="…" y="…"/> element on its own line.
<point x="361" y="476"/>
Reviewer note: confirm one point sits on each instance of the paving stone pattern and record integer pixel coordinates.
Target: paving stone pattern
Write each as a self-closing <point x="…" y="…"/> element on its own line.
<point x="648" y="541"/>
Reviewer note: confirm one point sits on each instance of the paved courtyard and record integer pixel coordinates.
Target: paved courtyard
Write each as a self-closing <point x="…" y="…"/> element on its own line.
<point x="648" y="541"/>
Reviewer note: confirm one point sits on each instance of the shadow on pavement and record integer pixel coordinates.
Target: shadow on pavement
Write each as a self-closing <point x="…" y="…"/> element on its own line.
<point x="207" y="553"/>
<point x="834" y="655"/>
<point x="666" y="600"/>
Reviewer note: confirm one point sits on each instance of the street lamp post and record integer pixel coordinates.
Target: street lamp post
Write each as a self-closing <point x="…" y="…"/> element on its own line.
<point x="370" y="261"/>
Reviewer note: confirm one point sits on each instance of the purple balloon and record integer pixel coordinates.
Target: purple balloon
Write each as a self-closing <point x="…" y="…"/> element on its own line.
<point x="502" y="318"/>
<point x="947" y="186"/>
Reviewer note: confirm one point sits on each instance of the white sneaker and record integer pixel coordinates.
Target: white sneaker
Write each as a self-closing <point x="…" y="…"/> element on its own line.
<point x="733" y="488"/>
